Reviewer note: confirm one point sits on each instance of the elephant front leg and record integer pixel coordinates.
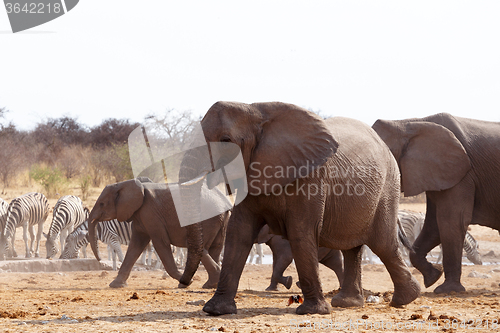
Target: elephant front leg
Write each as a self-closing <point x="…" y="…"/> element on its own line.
<point x="452" y="224"/>
<point x="351" y="292"/>
<point x="239" y="240"/>
<point x="137" y="244"/>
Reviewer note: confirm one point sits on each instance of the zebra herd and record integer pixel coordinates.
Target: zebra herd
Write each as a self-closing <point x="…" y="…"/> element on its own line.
<point x="69" y="222"/>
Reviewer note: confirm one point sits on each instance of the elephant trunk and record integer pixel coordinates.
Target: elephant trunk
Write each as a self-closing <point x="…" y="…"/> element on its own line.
<point x="93" y="238"/>
<point x="191" y="200"/>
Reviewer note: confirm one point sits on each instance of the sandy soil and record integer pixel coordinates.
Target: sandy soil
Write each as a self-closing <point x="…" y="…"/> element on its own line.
<point x="83" y="302"/>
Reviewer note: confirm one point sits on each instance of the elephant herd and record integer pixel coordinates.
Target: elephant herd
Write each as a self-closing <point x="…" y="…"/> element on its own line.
<point x="329" y="184"/>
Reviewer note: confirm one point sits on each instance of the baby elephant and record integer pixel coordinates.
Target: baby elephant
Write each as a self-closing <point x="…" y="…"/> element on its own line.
<point x="282" y="258"/>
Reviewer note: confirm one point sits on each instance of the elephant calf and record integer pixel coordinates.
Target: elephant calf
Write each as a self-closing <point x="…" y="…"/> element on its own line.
<point x="151" y="208"/>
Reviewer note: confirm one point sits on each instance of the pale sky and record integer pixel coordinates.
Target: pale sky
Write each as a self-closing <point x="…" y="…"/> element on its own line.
<point x="358" y="59"/>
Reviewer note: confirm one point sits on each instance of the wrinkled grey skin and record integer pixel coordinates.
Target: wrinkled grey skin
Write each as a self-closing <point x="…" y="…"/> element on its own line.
<point x="456" y="161"/>
<point x="278" y="136"/>
<point x="282" y="258"/>
<point x="151" y="208"/>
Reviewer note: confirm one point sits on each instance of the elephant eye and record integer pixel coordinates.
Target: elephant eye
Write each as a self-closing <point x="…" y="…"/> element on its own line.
<point x="225" y="138"/>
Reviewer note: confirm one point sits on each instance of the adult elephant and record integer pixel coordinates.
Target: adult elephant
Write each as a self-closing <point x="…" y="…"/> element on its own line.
<point x="151" y="208"/>
<point x="283" y="257"/>
<point x="330" y="183"/>
<point x="456" y="162"/>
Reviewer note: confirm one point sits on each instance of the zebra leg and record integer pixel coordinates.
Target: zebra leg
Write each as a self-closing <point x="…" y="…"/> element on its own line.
<point x="25" y="238"/>
<point x="62" y="237"/>
<point x="84" y="250"/>
<point x="138" y="243"/>
<point x="143" y="256"/>
<point x="110" y="252"/>
<point x="113" y="252"/>
<point x="150" y="253"/>
<point x="13" y="252"/>
<point x="260" y="254"/>
<point x="39" y="232"/>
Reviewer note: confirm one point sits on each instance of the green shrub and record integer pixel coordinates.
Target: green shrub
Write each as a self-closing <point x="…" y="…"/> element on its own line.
<point x="51" y="179"/>
<point x="84" y="184"/>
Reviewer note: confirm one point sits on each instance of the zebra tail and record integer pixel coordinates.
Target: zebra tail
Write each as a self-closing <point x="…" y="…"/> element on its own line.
<point x="403" y="238"/>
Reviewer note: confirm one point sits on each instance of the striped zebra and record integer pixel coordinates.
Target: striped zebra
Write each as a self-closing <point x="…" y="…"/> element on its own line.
<point x="68" y="214"/>
<point x="4" y="205"/>
<point x="24" y="211"/>
<point x="412" y="223"/>
<point x="113" y="233"/>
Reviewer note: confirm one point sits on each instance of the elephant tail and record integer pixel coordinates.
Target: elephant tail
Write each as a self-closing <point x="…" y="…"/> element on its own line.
<point x="403" y="238"/>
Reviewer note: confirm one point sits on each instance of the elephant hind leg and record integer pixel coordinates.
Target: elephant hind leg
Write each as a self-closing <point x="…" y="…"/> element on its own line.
<point x="305" y="252"/>
<point x="282" y="258"/>
<point x="406" y="287"/>
<point x="351" y="292"/>
<point x="427" y="240"/>
<point x="333" y="260"/>
<point x="213" y="270"/>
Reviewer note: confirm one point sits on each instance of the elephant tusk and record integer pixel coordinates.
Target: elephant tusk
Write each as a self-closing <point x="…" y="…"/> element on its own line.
<point x="201" y="177"/>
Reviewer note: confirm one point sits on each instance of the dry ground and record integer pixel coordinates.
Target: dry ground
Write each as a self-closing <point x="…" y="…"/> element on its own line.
<point x="83" y="302"/>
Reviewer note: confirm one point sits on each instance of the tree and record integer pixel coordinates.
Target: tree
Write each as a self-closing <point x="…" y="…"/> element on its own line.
<point x="111" y="131"/>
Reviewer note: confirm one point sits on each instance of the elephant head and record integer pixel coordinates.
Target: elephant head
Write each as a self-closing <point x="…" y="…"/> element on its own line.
<point x="117" y="201"/>
<point x="429" y="155"/>
<point x="279" y="143"/>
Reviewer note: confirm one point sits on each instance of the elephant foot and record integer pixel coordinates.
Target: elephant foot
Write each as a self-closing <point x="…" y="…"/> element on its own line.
<point x="217" y="306"/>
<point x="210" y="284"/>
<point x="433" y="274"/>
<point x="272" y="287"/>
<point x="118" y="284"/>
<point x="343" y="301"/>
<point x="288" y="282"/>
<point x="405" y="294"/>
<point x="449" y="286"/>
<point x="182" y="285"/>
<point x="319" y="306"/>
<point x="28" y="255"/>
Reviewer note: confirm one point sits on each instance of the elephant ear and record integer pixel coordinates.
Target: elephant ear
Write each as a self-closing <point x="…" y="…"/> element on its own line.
<point x="129" y="199"/>
<point x="264" y="235"/>
<point x="293" y="143"/>
<point x="433" y="159"/>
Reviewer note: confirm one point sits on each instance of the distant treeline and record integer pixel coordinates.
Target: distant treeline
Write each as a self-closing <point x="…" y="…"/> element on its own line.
<point x="62" y="151"/>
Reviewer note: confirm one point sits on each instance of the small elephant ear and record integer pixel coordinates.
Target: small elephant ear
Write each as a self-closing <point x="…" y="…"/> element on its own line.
<point x="129" y="198"/>
<point x="264" y="235"/>
<point x="293" y="143"/>
<point x="433" y="160"/>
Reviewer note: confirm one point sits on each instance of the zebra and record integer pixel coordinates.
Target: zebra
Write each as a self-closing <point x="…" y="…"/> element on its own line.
<point x="26" y="211"/>
<point x="412" y="223"/>
<point x="68" y="214"/>
<point x="4" y="205"/>
<point x="256" y="252"/>
<point x="113" y="233"/>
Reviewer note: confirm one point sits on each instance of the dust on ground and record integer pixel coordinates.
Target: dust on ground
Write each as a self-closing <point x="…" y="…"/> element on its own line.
<point x="83" y="302"/>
